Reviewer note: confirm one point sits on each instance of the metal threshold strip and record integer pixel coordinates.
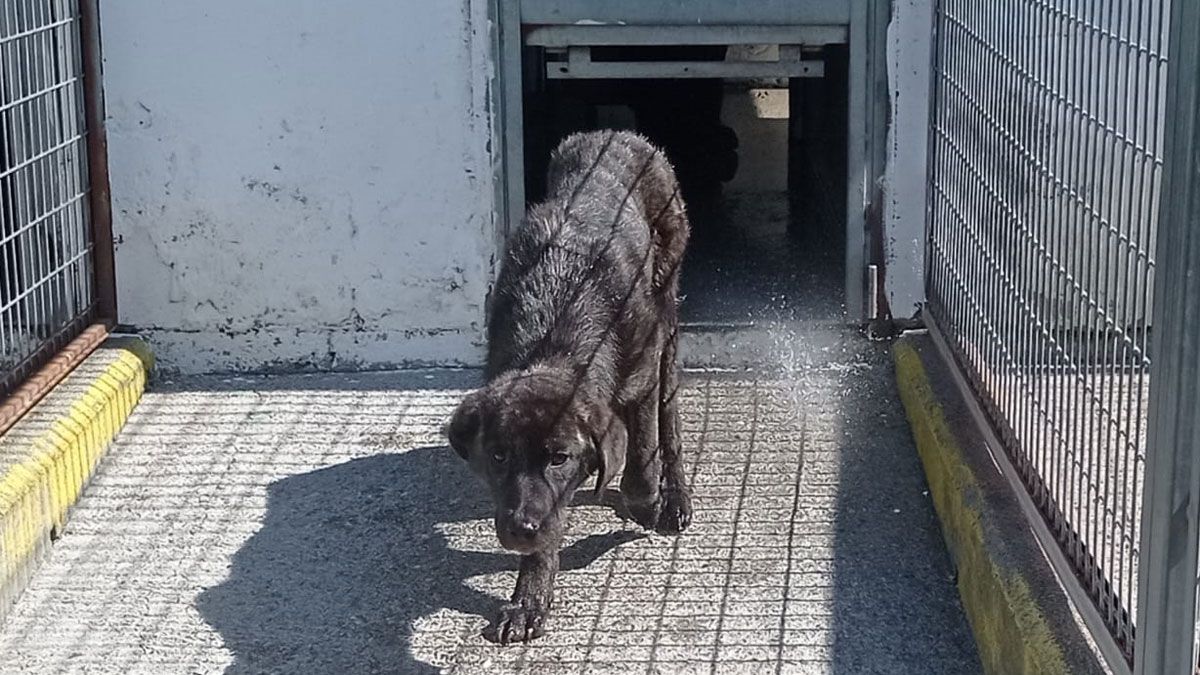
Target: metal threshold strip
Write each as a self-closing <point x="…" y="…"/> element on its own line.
<point x="580" y="65"/>
<point x="659" y="36"/>
<point x="569" y="50"/>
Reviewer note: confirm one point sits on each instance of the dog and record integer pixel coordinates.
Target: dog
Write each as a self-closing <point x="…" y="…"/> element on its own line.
<point x="581" y="374"/>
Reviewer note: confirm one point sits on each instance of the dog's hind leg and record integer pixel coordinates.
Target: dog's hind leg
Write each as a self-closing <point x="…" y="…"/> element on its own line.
<point x="675" y="511"/>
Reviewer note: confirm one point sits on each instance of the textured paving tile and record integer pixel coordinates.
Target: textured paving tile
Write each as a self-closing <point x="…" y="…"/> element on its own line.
<point x="317" y="524"/>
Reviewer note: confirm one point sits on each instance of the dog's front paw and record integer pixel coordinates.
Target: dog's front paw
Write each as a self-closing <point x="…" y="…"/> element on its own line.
<point x="644" y="512"/>
<point x="519" y="621"/>
<point x="675" y="512"/>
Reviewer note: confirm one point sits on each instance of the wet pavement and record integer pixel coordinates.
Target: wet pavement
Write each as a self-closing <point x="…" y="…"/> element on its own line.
<point x="313" y="524"/>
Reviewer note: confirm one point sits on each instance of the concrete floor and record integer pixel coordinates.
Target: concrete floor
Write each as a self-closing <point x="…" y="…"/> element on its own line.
<point x="313" y="524"/>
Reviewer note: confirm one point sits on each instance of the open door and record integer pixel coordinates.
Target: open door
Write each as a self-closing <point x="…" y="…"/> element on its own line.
<point x="544" y="42"/>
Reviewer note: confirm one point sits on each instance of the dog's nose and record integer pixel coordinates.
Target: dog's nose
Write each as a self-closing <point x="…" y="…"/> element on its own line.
<point x="525" y="528"/>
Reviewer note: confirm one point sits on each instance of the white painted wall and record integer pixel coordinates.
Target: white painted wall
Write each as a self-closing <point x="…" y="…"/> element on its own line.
<point x="308" y="183"/>
<point x="302" y="183"/>
<point x="909" y="55"/>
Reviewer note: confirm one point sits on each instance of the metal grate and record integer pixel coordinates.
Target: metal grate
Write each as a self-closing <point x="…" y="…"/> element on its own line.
<point x="47" y="284"/>
<point x="1046" y="147"/>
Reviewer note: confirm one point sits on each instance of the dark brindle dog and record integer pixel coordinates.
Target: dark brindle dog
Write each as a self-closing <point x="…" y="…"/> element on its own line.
<point x="581" y="372"/>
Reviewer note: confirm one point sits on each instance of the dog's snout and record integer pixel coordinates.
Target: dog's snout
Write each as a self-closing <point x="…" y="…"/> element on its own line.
<point x="522" y="533"/>
<point x="525" y="528"/>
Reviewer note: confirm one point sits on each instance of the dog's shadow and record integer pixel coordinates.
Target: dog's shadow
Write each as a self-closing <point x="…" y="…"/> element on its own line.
<point x="350" y="556"/>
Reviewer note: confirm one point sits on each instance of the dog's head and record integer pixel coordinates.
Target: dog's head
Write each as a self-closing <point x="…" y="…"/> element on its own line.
<point x="535" y="441"/>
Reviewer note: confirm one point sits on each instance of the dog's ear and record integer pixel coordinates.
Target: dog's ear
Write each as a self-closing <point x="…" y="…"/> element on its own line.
<point x="609" y="438"/>
<point x="466" y="424"/>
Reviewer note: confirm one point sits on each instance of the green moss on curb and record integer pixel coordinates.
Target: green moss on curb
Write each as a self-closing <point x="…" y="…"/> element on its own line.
<point x="1010" y="629"/>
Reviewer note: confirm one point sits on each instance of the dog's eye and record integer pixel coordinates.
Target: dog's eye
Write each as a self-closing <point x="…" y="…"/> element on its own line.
<point x="498" y="456"/>
<point x="559" y="458"/>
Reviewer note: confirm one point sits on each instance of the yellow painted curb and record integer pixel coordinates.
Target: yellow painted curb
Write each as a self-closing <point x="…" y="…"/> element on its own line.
<point x="47" y="457"/>
<point x="1011" y="631"/>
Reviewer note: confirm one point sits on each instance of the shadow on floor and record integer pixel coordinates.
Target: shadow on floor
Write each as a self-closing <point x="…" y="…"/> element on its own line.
<point x="349" y="558"/>
<point x="303" y="593"/>
<point x="896" y="604"/>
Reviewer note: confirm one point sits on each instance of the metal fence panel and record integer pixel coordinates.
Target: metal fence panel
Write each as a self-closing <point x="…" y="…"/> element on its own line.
<point x="47" y="278"/>
<point x="1046" y="144"/>
<point x="1171" y="530"/>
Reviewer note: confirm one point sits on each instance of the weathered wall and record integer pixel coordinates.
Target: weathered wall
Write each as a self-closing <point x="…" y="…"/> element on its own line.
<point x="308" y="184"/>
<point x="303" y="183"/>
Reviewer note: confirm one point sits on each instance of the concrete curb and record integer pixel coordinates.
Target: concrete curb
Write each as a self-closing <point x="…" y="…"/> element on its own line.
<point x="1021" y="618"/>
<point x="47" y="457"/>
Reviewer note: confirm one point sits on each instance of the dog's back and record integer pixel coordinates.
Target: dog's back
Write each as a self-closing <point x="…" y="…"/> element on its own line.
<point x="582" y="374"/>
<point x="583" y="272"/>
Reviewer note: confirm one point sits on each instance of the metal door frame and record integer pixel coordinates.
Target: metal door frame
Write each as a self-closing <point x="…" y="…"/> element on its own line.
<point x="865" y="24"/>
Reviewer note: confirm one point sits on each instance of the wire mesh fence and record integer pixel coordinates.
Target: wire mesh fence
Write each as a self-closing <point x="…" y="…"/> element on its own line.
<point x="1046" y="155"/>
<point x="47" y="281"/>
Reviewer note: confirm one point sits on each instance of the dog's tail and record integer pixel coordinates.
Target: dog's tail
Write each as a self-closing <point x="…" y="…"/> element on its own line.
<point x="667" y="215"/>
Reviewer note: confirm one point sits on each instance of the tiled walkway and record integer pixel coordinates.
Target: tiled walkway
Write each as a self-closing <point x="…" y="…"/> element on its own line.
<point x="317" y="525"/>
